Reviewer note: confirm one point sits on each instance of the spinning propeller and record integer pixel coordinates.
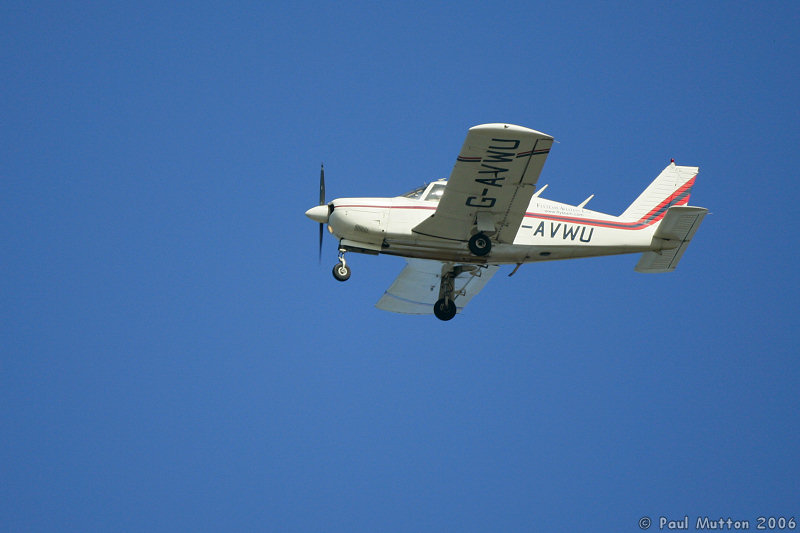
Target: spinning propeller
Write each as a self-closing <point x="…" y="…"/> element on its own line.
<point x="321" y="212"/>
<point x="321" y="202"/>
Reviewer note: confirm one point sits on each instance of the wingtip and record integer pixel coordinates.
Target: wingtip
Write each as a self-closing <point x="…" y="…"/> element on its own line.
<point x="509" y="127"/>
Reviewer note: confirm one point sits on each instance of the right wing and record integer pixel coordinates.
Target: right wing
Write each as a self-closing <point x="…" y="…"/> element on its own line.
<point x="416" y="289"/>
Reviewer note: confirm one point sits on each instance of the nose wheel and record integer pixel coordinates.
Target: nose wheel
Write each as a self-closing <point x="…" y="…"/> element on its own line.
<point x="341" y="271"/>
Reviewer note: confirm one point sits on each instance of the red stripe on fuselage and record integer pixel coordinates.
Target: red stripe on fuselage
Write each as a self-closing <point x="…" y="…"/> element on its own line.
<point x="648" y="220"/>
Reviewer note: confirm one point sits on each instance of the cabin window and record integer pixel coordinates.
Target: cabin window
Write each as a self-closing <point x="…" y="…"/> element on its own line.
<point x="436" y="192"/>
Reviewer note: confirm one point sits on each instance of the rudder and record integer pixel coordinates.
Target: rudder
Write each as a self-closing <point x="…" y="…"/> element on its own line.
<point x="672" y="187"/>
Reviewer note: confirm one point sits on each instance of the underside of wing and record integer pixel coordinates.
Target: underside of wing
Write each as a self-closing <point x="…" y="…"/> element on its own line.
<point x="491" y="184"/>
<point x="416" y="289"/>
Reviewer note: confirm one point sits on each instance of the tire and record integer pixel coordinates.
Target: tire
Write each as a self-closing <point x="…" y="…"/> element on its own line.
<point x="445" y="309"/>
<point x="341" y="272"/>
<point x="480" y="244"/>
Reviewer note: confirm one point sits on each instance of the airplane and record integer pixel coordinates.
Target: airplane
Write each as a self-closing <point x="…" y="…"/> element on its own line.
<point x="456" y="233"/>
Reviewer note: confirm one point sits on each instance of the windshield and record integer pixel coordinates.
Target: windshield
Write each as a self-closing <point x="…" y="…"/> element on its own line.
<point x="416" y="194"/>
<point x="435" y="191"/>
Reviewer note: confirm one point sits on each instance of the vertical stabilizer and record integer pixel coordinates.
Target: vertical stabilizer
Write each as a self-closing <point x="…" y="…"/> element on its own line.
<point x="671" y="187"/>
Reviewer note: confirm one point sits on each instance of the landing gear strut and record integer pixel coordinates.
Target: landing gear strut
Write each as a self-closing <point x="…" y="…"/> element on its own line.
<point x="341" y="271"/>
<point x="445" y="307"/>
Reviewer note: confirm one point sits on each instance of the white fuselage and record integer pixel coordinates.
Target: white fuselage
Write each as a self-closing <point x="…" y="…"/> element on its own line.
<point x="549" y="231"/>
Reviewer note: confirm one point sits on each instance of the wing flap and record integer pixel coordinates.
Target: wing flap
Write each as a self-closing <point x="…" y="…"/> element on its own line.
<point x="416" y="289"/>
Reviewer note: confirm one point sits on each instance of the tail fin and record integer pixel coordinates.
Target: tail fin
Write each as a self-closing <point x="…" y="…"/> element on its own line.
<point x="671" y="187"/>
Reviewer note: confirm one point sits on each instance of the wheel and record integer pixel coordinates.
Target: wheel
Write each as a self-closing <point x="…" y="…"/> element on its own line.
<point x="341" y="272"/>
<point x="480" y="244"/>
<point x="444" y="309"/>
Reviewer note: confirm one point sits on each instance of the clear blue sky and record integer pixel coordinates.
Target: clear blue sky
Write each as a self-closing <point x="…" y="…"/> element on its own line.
<point x="175" y="358"/>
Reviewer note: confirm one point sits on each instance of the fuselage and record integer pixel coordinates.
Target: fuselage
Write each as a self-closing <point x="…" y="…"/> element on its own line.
<point x="549" y="231"/>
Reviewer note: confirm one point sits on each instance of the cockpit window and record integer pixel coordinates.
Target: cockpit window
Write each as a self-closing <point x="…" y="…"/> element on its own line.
<point x="434" y="189"/>
<point x="436" y="192"/>
<point x="416" y="194"/>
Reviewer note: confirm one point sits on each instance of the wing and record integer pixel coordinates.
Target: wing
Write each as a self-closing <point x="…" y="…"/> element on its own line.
<point x="491" y="184"/>
<point x="416" y="289"/>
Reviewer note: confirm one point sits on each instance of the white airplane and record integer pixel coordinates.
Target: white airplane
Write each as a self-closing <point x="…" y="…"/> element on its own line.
<point x="456" y="233"/>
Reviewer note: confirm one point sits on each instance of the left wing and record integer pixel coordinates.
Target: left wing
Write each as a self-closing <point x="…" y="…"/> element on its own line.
<point x="416" y="289"/>
<point x="491" y="184"/>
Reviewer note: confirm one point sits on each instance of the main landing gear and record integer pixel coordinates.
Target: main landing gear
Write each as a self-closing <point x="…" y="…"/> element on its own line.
<point x="341" y="271"/>
<point x="445" y="307"/>
<point x="479" y="244"/>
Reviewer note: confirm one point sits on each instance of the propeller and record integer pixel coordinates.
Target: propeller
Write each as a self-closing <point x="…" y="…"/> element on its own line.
<point x="322" y="212"/>
<point x="321" y="202"/>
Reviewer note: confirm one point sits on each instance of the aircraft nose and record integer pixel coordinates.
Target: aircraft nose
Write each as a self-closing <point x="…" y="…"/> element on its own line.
<point x="318" y="213"/>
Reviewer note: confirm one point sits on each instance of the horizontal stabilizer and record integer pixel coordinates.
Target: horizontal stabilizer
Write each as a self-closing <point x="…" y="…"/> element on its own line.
<point x="674" y="234"/>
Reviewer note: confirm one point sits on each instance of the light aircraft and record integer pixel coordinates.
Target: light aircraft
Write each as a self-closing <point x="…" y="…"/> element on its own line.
<point x="456" y="233"/>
